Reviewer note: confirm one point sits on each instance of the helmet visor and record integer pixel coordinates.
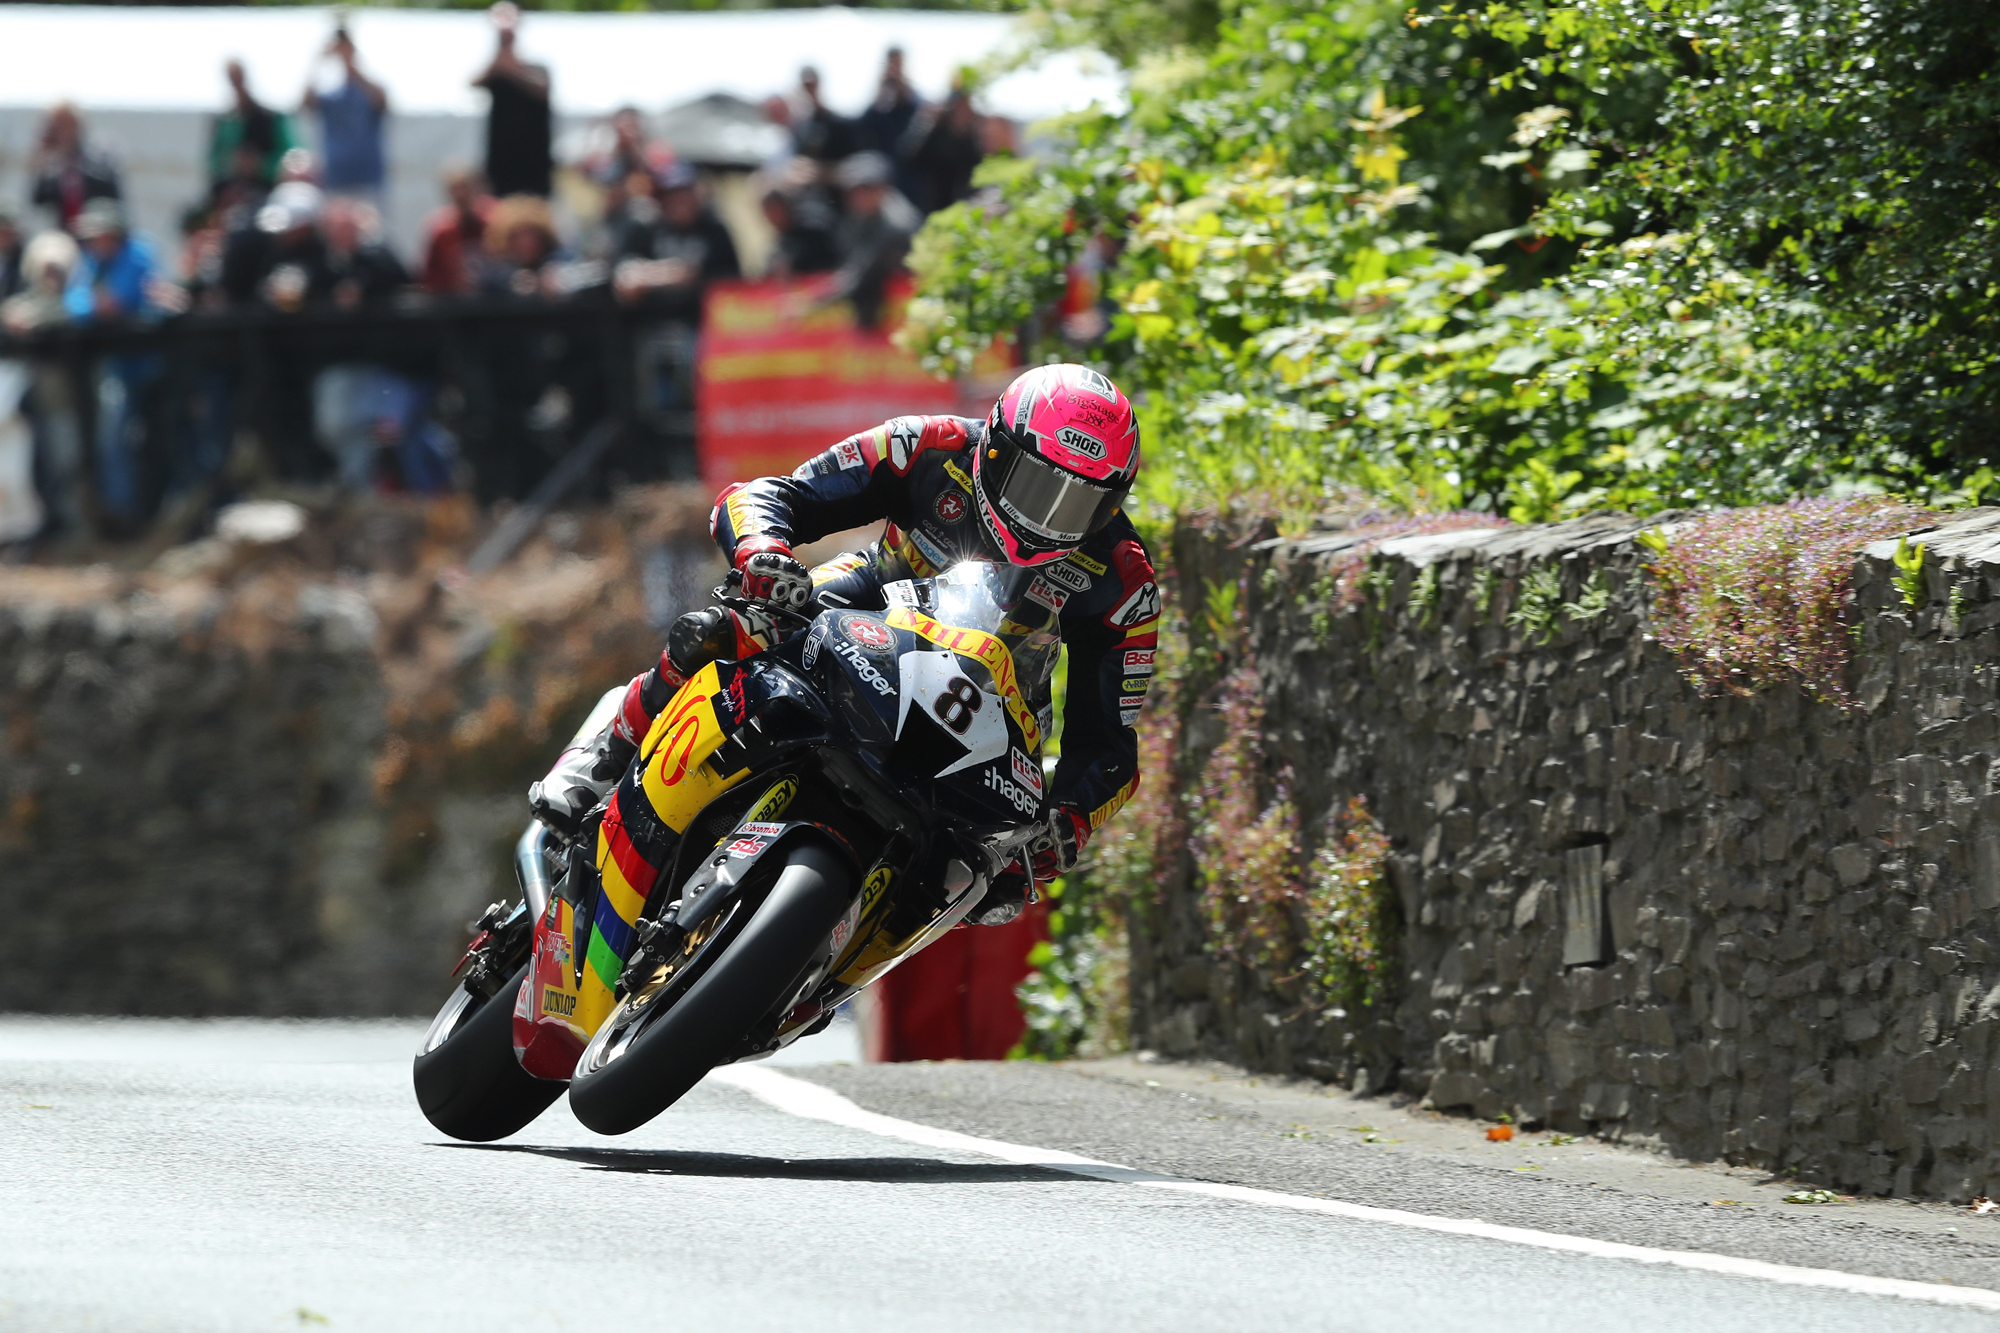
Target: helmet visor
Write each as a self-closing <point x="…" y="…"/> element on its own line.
<point x="1041" y="501"/>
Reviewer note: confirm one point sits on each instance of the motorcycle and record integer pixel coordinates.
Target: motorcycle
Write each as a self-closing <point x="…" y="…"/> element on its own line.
<point x="845" y="798"/>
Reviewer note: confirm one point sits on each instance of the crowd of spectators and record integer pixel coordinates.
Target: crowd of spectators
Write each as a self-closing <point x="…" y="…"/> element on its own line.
<point x="283" y="229"/>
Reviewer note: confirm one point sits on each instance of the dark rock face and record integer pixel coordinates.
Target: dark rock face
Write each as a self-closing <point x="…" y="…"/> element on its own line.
<point x="280" y="781"/>
<point x="1758" y="928"/>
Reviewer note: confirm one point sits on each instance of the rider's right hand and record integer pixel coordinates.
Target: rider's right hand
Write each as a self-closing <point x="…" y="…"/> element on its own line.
<point x="772" y="575"/>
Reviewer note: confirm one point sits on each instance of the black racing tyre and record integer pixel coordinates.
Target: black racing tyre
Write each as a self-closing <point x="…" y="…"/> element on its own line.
<point x="469" y="1084"/>
<point x="617" y="1091"/>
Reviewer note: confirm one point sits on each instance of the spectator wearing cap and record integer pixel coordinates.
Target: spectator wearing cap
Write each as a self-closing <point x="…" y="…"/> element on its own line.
<point x="68" y="172"/>
<point x="455" y="236"/>
<point x="351" y="117"/>
<point x="518" y="124"/>
<point x="281" y="261"/>
<point x="357" y="406"/>
<point x="116" y="280"/>
<point x="682" y="249"/>
<point x="249" y="140"/>
<point x="946" y="143"/>
<point x="872" y="238"/>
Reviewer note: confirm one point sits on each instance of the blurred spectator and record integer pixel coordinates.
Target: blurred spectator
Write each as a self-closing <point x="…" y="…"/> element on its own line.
<point x="350" y="122"/>
<point x="817" y="133"/>
<point x="518" y="123"/>
<point x="455" y="235"/>
<point x="12" y="279"/>
<point x="118" y="279"/>
<point x="630" y="151"/>
<point x="521" y="251"/>
<point x="804" y="225"/>
<point x="359" y="408"/>
<point x="248" y="140"/>
<point x="363" y="270"/>
<point x="282" y="260"/>
<point x="947" y="142"/>
<point x="68" y="172"/>
<point x="884" y="126"/>
<point x="46" y="265"/>
<point x="872" y="238"/>
<point x="685" y="247"/>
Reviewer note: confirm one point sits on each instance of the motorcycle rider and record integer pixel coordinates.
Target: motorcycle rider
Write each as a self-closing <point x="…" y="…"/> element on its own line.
<point x="1039" y="484"/>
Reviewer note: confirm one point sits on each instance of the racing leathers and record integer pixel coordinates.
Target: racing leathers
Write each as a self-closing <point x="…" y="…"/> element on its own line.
<point x="1102" y="600"/>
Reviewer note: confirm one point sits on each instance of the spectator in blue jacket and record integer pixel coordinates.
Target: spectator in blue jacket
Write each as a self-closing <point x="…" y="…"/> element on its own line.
<point x="118" y="279"/>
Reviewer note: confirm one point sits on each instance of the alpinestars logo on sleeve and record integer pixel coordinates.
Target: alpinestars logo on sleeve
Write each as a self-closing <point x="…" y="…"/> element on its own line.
<point x="1140" y="607"/>
<point x="905" y="433"/>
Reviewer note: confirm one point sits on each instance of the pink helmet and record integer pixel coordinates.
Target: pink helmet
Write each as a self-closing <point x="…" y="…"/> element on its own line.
<point x="1061" y="453"/>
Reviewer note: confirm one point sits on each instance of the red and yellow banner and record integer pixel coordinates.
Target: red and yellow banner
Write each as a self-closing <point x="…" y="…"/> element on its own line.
<point x="780" y="378"/>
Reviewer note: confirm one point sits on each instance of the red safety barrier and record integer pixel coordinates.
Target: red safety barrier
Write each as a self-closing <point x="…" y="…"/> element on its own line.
<point x="955" y="1000"/>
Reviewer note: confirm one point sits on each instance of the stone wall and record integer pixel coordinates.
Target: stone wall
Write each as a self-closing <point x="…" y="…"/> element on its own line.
<point x="1757" y="928"/>
<point x="279" y="777"/>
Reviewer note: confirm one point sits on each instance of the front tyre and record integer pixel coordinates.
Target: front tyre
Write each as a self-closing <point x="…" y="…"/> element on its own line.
<point x="624" y="1080"/>
<point x="469" y="1084"/>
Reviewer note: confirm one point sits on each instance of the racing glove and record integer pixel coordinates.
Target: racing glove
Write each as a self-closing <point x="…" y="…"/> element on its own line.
<point x="772" y="575"/>
<point x="1055" y="848"/>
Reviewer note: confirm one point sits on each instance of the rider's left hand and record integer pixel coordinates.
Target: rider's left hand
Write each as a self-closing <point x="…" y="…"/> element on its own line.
<point x="1058" y="844"/>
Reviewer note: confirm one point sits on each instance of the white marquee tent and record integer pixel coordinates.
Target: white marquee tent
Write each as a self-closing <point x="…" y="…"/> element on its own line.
<point x="149" y="78"/>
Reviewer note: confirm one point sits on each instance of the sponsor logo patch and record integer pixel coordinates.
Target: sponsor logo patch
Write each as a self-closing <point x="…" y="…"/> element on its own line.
<point x="1074" y="579"/>
<point x="1026" y="772"/>
<point x="1043" y="593"/>
<point x="775" y="800"/>
<point x="1079" y="558"/>
<point x="1023" y="801"/>
<point x="1134" y="686"/>
<point x="804" y="469"/>
<point x="848" y="453"/>
<point x="558" y="1002"/>
<point x="877" y="884"/>
<point x="761" y="829"/>
<point x="1074" y="440"/>
<point x="813" y="640"/>
<point x="1140" y="607"/>
<point x="746" y="846"/>
<point x="950" y="506"/>
<point x="1128" y="717"/>
<point x="930" y="550"/>
<point x="858" y="662"/>
<point x="870" y="634"/>
<point x="1097" y="384"/>
<point x="1139" y="659"/>
<point x="957" y="474"/>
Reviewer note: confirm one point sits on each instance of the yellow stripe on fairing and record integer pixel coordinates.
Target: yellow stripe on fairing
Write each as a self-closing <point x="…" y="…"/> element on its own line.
<point x="984" y="649"/>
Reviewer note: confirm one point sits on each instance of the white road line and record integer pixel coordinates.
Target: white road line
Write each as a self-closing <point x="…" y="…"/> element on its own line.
<point x="812" y="1102"/>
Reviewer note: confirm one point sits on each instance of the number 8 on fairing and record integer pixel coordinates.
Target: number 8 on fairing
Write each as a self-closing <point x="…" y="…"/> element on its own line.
<point x="955" y="707"/>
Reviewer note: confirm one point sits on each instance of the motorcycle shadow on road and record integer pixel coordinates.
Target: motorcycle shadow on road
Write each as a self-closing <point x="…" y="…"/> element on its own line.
<point x="888" y="1170"/>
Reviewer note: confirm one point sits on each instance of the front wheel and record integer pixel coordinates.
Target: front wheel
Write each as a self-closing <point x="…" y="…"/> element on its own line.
<point x="469" y="1084"/>
<point x="638" y="1066"/>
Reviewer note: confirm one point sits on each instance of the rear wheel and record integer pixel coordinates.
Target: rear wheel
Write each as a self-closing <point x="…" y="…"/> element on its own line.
<point x="469" y="1084"/>
<point x="648" y="1053"/>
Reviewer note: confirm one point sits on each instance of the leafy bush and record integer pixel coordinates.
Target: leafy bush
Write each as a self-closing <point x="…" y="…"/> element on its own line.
<point x="1759" y="597"/>
<point x="1323" y="929"/>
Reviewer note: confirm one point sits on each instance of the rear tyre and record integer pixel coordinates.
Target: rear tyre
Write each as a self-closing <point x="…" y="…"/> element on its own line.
<point x="620" y="1087"/>
<point x="469" y="1084"/>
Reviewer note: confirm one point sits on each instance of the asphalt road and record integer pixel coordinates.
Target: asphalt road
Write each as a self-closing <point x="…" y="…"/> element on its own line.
<point x="237" y="1175"/>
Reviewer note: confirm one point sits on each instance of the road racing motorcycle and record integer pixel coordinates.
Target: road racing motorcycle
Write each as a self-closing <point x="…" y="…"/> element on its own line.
<point x="844" y="797"/>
